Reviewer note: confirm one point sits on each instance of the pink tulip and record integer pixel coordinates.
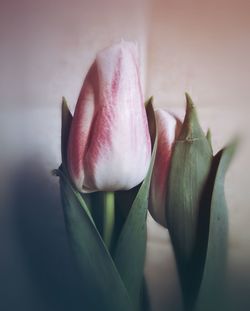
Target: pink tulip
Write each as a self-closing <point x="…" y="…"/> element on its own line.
<point x="109" y="144"/>
<point x="167" y="126"/>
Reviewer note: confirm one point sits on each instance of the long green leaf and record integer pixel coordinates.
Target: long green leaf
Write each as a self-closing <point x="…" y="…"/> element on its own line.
<point x="189" y="171"/>
<point x="151" y="119"/>
<point x="213" y="282"/>
<point x="129" y="255"/>
<point x="209" y="138"/>
<point x="123" y="203"/>
<point x="104" y="285"/>
<point x="65" y="129"/>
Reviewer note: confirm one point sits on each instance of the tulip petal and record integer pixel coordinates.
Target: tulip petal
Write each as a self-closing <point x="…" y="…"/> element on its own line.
<point x="166" y="125"/>
<point x="80" y="128"/>
<point x="109" y="141"/>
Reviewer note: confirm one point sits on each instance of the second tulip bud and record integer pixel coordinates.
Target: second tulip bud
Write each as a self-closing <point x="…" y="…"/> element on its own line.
<point x="167" y="127"/>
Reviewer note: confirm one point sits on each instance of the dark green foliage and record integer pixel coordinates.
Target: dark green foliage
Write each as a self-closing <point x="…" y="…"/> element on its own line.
<point x="196" y="210"/>
<point x="112" y="283"/>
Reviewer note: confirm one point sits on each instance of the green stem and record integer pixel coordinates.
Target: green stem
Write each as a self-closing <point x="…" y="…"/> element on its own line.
<point x="108" y="220"/>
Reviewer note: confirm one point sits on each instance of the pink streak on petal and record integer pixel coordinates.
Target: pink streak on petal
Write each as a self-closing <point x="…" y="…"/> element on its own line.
<point x="81" y="123"/>
<point x="101" y="130"/>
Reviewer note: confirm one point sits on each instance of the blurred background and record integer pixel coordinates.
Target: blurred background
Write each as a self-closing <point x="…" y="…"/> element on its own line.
<point x="202" y="47"/>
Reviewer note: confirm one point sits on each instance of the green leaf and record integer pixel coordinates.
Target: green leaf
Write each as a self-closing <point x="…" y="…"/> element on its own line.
<point x="66" y="123"/>
<point x="97" y="203"/>
<point x="106" y="290"/>
<point x="213" y="281"/>
<point x="130" y="251"/>
<point x="209" y="138"/>
<point x="189" y="172"/>
<point x="123" y="203"/>
<point x="151" y="120"/>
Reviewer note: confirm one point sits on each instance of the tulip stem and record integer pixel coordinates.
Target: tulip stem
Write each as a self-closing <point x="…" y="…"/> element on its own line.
<point x="108" y="225"/>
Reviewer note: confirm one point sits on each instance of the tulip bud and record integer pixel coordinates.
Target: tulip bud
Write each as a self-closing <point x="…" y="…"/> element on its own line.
<point x="167" y="127"/>
<point x="109" y="145"/>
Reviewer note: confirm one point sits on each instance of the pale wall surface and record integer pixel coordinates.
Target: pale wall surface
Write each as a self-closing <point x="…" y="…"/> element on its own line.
<point x="46" y="49"/>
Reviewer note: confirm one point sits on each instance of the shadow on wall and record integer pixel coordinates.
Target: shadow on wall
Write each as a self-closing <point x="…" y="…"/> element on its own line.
<point x="37" y="271"/>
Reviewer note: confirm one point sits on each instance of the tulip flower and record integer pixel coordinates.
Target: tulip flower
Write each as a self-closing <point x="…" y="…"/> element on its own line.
<point x="109" y="145"/>
<point x="167" y="126"/>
